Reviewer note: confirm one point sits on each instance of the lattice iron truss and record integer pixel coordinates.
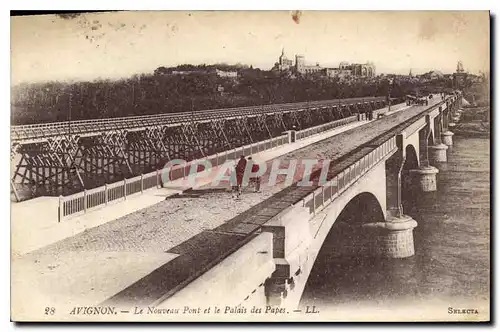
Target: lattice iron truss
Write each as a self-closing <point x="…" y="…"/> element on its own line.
<point x="64" y="157"/>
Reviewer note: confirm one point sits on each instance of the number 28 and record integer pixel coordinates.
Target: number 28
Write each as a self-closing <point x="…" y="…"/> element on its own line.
<point x="50" y="311"/>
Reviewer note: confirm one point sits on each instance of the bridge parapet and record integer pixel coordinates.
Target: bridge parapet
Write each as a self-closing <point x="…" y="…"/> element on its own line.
<point x="325" y="194"/>
<point x="243" y="273"/>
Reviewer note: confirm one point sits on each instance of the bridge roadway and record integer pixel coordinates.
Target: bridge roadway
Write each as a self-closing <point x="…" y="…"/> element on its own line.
<point x="153" y="252"/>
<point x="31" y="132"/>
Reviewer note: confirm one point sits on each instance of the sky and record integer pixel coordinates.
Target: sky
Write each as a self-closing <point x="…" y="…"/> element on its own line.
<point x="120" y="44"/>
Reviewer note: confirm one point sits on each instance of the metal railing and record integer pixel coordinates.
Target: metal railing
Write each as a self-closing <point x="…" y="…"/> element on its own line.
<point x="338" y="184"/>
<point x="326" y="193"/>
<point x="87" y="200"/>
<point x="324" y="127"/>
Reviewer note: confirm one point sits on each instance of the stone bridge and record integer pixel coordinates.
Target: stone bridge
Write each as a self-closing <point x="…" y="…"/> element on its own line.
<point x="359" y="211"/>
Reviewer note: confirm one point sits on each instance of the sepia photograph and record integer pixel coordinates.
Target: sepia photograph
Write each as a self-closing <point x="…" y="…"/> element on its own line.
<point x="250" y="166"/>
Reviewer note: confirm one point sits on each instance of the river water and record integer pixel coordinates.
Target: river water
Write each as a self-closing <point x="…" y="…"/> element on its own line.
<point x="452" y="243"/>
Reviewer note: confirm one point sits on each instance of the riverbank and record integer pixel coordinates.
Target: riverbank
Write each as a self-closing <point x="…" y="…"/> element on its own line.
<point x="474" y="123"/>
<point x="476" y="129"/>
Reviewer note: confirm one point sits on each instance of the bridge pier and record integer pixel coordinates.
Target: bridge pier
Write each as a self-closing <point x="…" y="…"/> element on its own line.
<point x="447" y="138"/>
<point x="438" y="153"/>
<point x="454" y="119"/>
<point x="392" y="238"/>
<point x="425" y="178"/>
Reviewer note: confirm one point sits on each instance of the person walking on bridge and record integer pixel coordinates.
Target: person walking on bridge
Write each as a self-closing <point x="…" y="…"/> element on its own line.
<point x="240" y="172"/>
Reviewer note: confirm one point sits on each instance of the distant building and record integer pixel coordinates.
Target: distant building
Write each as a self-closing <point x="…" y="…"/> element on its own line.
<point x="460" y="76"/>
<point x="344" y="70"/>
<point x="209" y="71"/>
<point x="302" y="68"/>
<point x="341" y="73"/>
<point x="344" y="65"/>
<point x="186" y="72"/>
<point x="362" y="69"/>
<point x="227" y="74"/>
<point x="283" y="62"/>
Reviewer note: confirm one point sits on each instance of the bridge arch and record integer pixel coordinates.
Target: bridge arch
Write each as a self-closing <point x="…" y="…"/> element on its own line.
<point x="411" y="161"/>
<point x="346" y="238"/>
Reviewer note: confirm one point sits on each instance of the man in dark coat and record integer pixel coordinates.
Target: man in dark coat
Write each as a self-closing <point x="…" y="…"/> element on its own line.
<point x="240" y="172"/>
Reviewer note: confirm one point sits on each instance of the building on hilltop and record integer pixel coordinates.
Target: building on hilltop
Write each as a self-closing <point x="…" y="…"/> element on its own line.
<point x="341" y="73"/>
<point x="344" y="65"/>
<point x="302" y="68"/>
<point x="344" y="71"/>
<point x="362" y="69"/>
<point x="198" y="71"/>
<point x="460" y="76"/>
<point x="283" y="62"/>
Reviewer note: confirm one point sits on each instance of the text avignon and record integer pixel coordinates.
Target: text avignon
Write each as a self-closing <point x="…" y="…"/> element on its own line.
<point x="93" y="311"/>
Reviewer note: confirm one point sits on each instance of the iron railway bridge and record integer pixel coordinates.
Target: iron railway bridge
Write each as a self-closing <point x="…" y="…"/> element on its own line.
<point x="66" y="157"/>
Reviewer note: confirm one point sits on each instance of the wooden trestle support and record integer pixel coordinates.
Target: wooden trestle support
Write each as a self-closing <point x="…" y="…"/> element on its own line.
<point x="52" y="160"/>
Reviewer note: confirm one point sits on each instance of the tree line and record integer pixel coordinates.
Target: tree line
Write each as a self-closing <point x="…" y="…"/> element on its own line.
<point x="163" y="92"/>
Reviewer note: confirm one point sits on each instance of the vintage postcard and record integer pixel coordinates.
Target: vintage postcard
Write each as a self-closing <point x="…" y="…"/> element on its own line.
<point x="259" y="166"/>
